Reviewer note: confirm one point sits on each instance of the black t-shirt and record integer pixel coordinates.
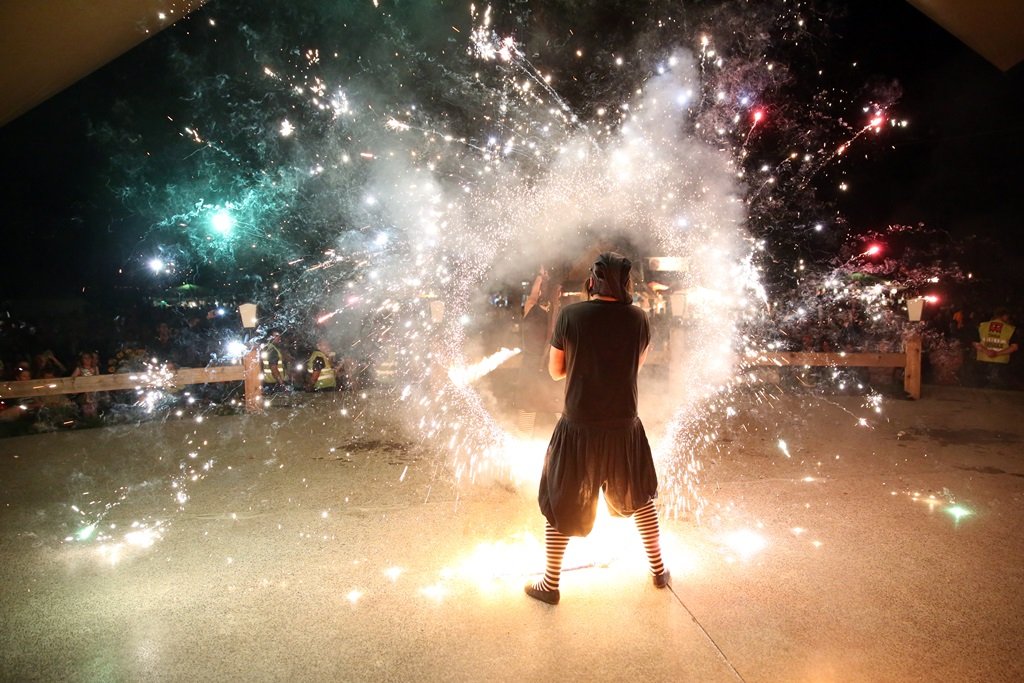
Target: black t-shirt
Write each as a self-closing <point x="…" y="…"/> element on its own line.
<point x="603" y="342"/>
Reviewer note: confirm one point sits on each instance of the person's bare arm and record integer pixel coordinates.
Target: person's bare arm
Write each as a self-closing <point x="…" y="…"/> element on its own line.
<point x="643" y="356"/>
<point x="534" y="296"/>
<point x="556" y="364"/>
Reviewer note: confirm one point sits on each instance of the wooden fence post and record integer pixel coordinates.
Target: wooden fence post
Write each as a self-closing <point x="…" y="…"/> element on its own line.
<point x="912" y="370"/>
<point x="252" y="369"/>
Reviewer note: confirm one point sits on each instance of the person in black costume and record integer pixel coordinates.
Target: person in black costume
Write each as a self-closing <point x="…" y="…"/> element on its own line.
<point x="599" y="443"/>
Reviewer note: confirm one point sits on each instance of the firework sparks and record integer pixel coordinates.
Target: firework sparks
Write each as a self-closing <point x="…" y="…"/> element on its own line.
<point x="466" y="375"/>
<point x="421" y="210"/>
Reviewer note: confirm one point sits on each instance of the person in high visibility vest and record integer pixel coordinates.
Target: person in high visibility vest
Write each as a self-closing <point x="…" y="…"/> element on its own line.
<point x="320" y="369"/>
<point x="274" y="360"/>
<point x="997" y="343"/>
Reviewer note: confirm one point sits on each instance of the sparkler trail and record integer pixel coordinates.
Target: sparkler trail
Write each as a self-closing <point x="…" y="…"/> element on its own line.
<point x="462" y="376"/>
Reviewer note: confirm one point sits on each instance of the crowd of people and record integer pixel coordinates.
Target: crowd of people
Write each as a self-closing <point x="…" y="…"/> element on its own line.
<point x="960" y="347"/>
<point x="291" y="362"/>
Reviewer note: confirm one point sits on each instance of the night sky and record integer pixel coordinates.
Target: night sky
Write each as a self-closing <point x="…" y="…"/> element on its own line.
<point x="956" y="168"/>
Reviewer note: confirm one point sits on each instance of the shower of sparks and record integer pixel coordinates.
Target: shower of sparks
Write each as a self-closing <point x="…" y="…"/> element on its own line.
<point x="434" y="210"/>
<point x="155" y="382"/>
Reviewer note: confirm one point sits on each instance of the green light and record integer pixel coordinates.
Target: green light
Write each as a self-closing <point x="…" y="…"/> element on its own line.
<point x="86" y="532"/>
<point x="958" y="512"/>
<point x="223" y="222"/>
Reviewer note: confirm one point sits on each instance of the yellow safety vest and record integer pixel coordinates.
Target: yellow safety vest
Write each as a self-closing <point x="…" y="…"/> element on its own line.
<point x="326" y="379"/>
<point x="995" y="335"/>
<point x="268" y="376"/>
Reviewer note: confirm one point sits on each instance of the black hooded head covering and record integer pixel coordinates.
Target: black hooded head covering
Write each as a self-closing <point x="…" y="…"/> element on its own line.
<point x="611" y="277"/>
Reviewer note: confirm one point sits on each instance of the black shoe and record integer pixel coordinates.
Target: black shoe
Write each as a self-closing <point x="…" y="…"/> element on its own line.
<point x="550" y="597"/>
<point x="662" y="580"/>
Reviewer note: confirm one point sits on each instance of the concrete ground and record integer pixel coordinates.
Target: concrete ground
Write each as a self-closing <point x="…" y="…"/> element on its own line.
<point x="326" y="547"/>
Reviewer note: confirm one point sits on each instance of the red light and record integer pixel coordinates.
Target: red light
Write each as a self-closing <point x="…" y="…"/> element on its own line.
<point x="873" y="250"/>
<point x="932" y="299"/>
<point x="758" y="115"/>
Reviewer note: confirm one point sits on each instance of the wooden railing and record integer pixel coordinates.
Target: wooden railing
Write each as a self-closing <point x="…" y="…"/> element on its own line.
<point x="909" y="360"/>
<point x="248" y="372"/>
<point x="251" y="367"/>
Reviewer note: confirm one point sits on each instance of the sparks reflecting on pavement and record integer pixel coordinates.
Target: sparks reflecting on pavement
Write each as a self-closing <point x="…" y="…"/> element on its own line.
<point x="85" y="533"/>
<point x="140" y="538"/>
<point x="744" y="543"/>
<point x="958" y="512"/>
<point x="944" y="501"/>
<point x="612" y="552"/>
<point x="437" y="592"/>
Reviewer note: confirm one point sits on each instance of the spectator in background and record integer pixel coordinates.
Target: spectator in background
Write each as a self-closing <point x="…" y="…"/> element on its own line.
<point x="996" y="344"/>
<point x="88" y="366"/>
<point x="275" y="360"/>
<point x="320" y="368"/>
<point x="21" y="407"/>
<point x="193" y="346"/>
<point x="55" y="410"/>
<point x="46" y="363"/>
<point x="22" y="370"/>
<point x="162" y="347"/>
